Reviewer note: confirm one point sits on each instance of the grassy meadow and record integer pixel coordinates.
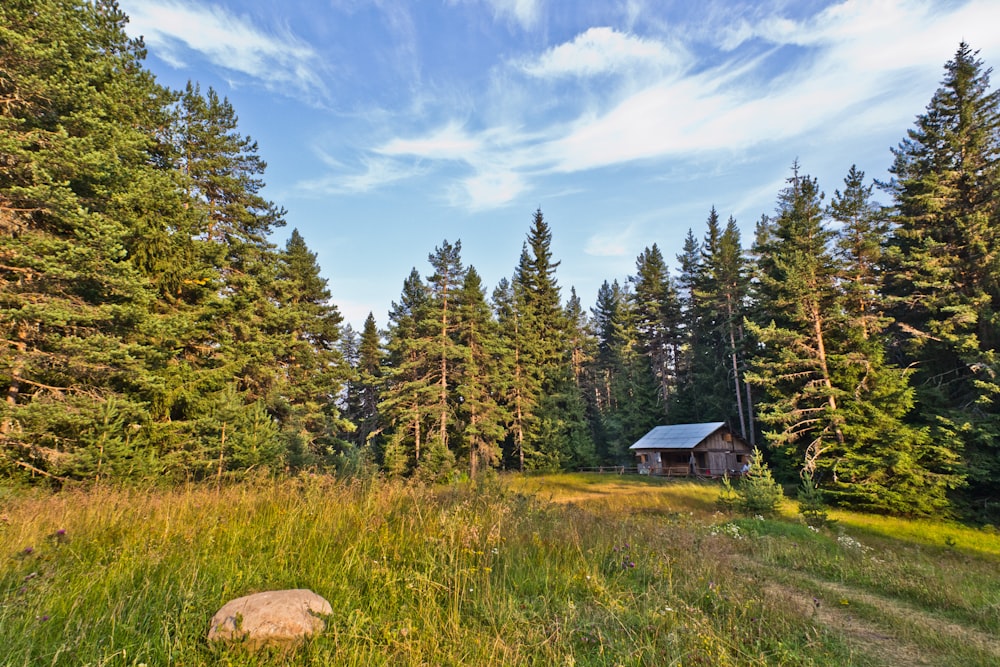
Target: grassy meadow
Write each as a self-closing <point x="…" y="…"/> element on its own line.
<point x="548" y="570"/>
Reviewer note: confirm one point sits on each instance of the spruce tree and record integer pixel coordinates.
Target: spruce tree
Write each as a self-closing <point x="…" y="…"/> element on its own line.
<point x="76" y="137"/>
<point x="557" y="435"/>
<point x="798" y="286"/>
<point x="408" y="391"/>
<point x="523" y="385"/>
<point x="304" y="342"/>
<point x="729" y="266"/>
<point x="835" y="407"/>
<point x="886" y="462"/>
<point x="441" y="348"/>
<point x="365" y="389"/>
<point x="944" y="258"/>
<point x="480" y="378"/>
<point x="657" y="310"/>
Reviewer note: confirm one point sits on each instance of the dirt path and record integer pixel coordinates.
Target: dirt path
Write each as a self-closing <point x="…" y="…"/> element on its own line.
<point x="905" y="636"/>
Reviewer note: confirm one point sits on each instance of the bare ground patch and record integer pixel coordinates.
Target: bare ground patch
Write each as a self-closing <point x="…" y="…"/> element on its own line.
<point x="905" y="635"/>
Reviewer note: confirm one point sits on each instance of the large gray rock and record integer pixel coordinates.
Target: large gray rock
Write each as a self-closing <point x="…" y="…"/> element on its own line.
<point x="270" y="618"/>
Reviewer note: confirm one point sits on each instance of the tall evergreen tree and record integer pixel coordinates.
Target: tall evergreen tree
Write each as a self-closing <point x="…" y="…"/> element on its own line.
<point x="444" y="352"/>
<point x="705" y="394"/>
<point x="732" y="282"/>
<point x="626" y="387"/>
<point x="945" y="265"/>
<point x="480" y="377"/>
<point x="523" y="391"/>
<point x="76" y="138"/>
<point x="834" y="404"/>
<point x="364" y="389"/>
<point x="559" y="434"/>
<point x="863" y="232"/>
<point x="657" y="309"/>
<point x="408" y="390"/>
<point x="581" y="339"/>
<point x="303" y="339"/>
<point x="798" y="283"/>
<point x="886" y="462"/>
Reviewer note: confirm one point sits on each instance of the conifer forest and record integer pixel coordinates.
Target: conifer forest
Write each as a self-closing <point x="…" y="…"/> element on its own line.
<point x="154" y="327"/>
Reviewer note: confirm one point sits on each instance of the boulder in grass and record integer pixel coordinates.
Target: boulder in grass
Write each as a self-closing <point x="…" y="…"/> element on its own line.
<point x="271" y="618"/>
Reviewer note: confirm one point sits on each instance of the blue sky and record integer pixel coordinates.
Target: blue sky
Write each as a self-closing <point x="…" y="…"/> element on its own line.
<point x="390" y="126"/>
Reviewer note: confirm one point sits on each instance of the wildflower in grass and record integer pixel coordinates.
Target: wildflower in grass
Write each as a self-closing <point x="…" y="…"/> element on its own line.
<point x="730" y="529"/>
<point x="58" y="537"/>
<point x="849" y="542"/>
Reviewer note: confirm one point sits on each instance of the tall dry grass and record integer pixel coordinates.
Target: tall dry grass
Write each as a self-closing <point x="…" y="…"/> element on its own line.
<point x="564" y="570"/>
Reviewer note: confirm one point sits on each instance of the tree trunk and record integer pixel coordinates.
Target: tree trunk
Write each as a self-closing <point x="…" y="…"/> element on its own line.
<point x="14" y="389"/>
<point x="815" y="449"/>
<point x="736" y="369"/>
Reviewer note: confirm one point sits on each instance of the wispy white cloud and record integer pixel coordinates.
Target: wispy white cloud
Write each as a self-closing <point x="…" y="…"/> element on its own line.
<point x="610" y="243"/>
<point x="495" y="158"/>
<point x="873" y="61"/>
<point x="450" y="142"/>
<point x="374" y="172"/>
<point x="488" y="188"/>
<point x="177" y="29"/>
<point x="603" y="50"/>
<point x="525" y="12"/>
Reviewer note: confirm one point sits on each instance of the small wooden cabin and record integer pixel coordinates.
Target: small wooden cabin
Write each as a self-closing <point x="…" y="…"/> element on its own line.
<point x="710" y="450"/>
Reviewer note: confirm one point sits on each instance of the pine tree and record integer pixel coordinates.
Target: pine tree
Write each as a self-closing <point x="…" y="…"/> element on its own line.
<point x="732" y="280"/>
<point x="864" y="229"/>
<point x="480" y="377"/>
<point x="836" y="407"/>
<point x="304" y="342"/>
<point x="443" y="351"/>
<point x="886" y="462"/>
<point x="364" y="390"/>
<point x="657" y="310"/>
<point x="798" y="286"/>
<point x="712" y="280"/>
<point x="523" y="390"/>
<point x="945" y="265"/>
<point x="76" y="138"/>
<point x="582" y="344"/>
<point x="608" y="322"/>
<point x="408" y="389"/>
<point x="557" y="434"/>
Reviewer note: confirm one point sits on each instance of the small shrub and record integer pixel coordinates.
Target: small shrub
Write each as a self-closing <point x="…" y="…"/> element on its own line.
<point x="812" y="505"/>
<point x="757" y="491"/>
<point x="728" y="500"/>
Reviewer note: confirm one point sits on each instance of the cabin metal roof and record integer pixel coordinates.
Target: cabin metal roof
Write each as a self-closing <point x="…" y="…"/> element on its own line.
<point x="677" y="436"/>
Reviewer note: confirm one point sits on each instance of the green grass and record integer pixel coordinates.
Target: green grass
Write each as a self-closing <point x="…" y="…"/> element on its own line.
<point x="522" y="570"/>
